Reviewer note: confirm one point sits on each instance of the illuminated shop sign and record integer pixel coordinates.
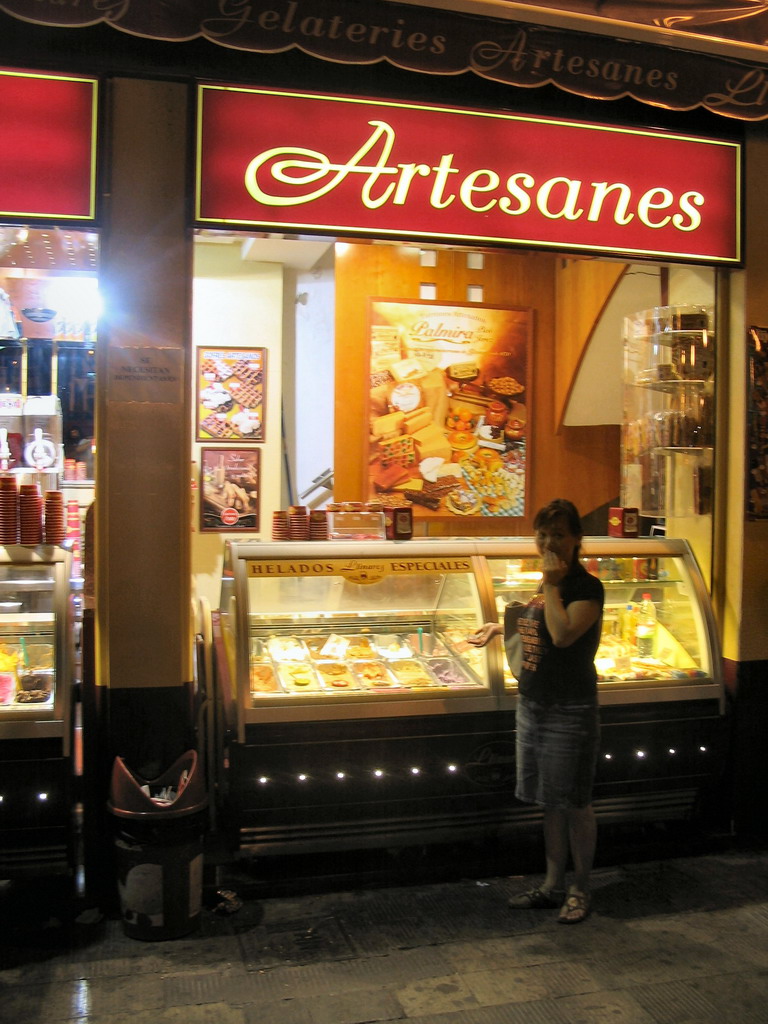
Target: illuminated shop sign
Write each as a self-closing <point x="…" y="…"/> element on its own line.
<point x="294" y="161"/>
<point x="48" y="131"/>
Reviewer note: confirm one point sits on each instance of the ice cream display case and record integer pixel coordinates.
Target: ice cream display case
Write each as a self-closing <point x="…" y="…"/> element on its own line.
<point x="36" y="677"/>
<point x="344" y="630"/>
<point x="353" y="711"/>
<point x="674" y="656"/>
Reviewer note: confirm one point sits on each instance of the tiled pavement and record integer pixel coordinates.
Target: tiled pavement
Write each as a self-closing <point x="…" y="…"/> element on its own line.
<point x="683" y="940"/>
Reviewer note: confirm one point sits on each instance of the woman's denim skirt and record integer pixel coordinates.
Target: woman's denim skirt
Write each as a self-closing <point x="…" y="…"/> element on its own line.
<point x="556" y="752"/>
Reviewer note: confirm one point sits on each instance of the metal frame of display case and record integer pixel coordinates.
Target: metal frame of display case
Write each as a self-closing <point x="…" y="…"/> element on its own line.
<point x="308" y="776"/>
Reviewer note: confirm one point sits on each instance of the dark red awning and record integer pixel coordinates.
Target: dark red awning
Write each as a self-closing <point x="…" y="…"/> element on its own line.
<point x="421" y="37"/>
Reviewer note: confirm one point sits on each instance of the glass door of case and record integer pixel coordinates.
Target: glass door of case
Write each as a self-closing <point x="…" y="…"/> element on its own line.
<point x="34" y="670"/>
<point x="329" y="630"/>
<point x="676" y="653"/>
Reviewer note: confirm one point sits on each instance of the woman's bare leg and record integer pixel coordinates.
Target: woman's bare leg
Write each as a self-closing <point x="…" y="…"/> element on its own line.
<point x="583" y="838"/>
<point x="555" y="847"/>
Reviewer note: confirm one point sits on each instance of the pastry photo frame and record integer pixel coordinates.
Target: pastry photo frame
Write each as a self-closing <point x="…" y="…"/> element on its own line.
<point x="229" y="490"/>
<point x="449" y="390"/>
<point x="230" y="391"/>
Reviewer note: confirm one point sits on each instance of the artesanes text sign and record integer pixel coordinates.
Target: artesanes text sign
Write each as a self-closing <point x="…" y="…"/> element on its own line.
<point x="287" y="160"/>
<point x="49" y="146"/>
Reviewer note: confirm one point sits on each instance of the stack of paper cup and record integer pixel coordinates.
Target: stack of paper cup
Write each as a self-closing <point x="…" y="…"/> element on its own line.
<point x="55" y="520"/>
<point x="318" y="524"/>
<point x="280" y="525"/>
<point x="30" y="514"/>
<point x="298" y="523"/>
<point x="9" y="510"/>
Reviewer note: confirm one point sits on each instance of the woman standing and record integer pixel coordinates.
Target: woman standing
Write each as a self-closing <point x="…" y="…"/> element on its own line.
<point x="557" y="715"/>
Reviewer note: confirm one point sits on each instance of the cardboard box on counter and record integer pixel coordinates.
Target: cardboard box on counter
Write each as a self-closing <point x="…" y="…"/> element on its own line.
<point x="623" y="522"/>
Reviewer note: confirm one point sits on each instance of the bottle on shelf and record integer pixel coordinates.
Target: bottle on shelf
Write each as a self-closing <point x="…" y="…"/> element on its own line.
<point x="645" y="630"/>
<point x="629" y="624"/>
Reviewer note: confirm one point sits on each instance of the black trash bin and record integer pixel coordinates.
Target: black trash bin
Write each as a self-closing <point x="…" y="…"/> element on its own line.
<point x="159" y="848"/>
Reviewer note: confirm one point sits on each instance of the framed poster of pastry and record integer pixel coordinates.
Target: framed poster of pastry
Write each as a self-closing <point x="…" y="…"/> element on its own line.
<point x="229" y="490"/>
<point x="449" y="391"/>
<point x="230" y="387"/>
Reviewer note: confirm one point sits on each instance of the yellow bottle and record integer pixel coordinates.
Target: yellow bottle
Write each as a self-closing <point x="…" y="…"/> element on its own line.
<point x="629" y="624"/>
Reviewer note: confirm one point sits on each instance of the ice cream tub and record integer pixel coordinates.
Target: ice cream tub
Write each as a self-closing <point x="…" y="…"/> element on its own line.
<point x="7" y="687"/>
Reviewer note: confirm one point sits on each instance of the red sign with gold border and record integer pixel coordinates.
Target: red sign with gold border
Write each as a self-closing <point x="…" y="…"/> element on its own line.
<point x="48" y="130"/>
<point x="291" y="161"/>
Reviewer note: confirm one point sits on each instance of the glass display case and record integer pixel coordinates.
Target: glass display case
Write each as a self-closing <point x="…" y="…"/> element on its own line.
<point x="668" y="433"/>
<point x="352" y="712"/>
<point x="36" y="625"/>
<point x="327" y="631"/>
<point x="37" y="759"/>
<point x="673" y="656"/>
<point x="339" y="632"/>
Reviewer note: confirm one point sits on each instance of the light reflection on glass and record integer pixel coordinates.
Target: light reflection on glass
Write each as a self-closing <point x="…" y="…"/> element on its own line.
<point x="81" y="998"/>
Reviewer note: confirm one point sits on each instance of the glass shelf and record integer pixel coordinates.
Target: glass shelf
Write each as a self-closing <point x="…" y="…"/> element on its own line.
<point x="672" y="386"/>
<point x="672" y="338"/>
<point x="682" y="450"/>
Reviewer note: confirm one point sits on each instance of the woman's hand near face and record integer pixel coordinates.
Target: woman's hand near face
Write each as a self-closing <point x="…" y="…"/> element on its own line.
<point x="553" y="568"/>
<point x="565" y="625"/>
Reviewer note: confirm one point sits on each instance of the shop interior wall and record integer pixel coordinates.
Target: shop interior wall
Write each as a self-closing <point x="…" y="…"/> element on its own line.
<point x="308" y="393"/>
<point x="237" y="303"/>
<point x="597" y="343"/>
<point x="590" y="338"/>
<point x="583" y="291"/>
<point x="578" y="462"/>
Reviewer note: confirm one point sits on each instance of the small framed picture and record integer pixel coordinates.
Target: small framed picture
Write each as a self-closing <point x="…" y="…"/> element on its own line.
<point x="229" y="490"/>
<point x="230" y="388"/>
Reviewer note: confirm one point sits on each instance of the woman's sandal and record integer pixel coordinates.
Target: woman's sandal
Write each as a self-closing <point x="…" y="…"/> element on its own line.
<point x="576" y="908"/>
<point x="537" y="899"/>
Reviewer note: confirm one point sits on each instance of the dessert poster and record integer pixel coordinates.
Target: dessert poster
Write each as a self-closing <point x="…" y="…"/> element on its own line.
<point x="230" y="394"/>
<point x="229" y="489"/>
<point x="449" y="393"/>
